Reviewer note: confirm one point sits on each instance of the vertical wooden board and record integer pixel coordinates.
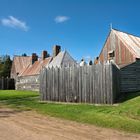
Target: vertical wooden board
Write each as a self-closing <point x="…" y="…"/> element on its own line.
<point x="76" y="84"/>
<point x="99" y="88"/>
<point x="88" y="84"/>
<point x="47" y="84"/>
<point x="72" y="84"/>
<point x="70" y="88"/>
<point x="104" y="84"/>
<point x="50" y="83"/>
<point x="52" y="87"/>
<point x="63" y="83"/>
<point x="61" y="94"/>
<point x="40" y="88"/>
<point x="83" y="85"/>
<point x="111" y="83"/>
<point x="101" y="84"/>
<point x="96" y="84"/>
<point x="81" y="78"/>
<point x="84" y="80"/>
<point x="58" y="84"/>
<point x="55" y="84"/>
<point x="44" y="83"/>
<point x="114" y="82"/>
<point x="93" y="83"/>
<point x="79" y="84"/>
<point x="66" y="83"/>
<point x="108" y="82"/>
<point x="77" y="78"/>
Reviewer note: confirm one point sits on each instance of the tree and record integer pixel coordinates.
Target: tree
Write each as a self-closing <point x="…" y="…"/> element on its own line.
<point x="5" y="67"/>
<point x="24" y="54"/>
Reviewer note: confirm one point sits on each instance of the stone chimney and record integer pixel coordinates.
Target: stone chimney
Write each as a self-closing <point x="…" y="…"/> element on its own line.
<point x="44" y="54"/>
<point x="34" y="57"/>
<point x="56" y="50"/>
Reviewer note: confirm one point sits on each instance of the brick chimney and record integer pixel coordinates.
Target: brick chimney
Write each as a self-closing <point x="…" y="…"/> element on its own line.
<point x="44" y="54"/>
<point x="56" y="50"/>
<point x="34" y="57"/>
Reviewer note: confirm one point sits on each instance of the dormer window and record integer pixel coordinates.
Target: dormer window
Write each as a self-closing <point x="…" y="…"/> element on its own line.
<point x="111" y="54"/>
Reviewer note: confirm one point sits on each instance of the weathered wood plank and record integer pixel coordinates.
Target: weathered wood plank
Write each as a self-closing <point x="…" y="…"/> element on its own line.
<point x="87" y="84"/>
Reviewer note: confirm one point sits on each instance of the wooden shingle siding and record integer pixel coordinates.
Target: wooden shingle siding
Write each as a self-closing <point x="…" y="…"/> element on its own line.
<point x="130" y="77"/>
<point x="125" y="47"/>
<point x="28" y="83"/>
<point x="88" y="84"/>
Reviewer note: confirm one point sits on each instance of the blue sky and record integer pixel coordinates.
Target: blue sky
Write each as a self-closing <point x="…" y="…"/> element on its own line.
<point x="79" y="26"/>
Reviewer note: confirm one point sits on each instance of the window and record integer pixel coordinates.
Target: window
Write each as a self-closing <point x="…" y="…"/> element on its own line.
<point x="111" y="54"/>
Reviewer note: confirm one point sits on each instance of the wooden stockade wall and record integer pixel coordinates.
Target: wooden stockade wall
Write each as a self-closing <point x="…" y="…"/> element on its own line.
<point x="7" y="83"/>
<point x="88" y="84"/>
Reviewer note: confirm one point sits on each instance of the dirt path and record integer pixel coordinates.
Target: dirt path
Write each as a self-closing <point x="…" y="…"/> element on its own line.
<point x="32" y="126"/>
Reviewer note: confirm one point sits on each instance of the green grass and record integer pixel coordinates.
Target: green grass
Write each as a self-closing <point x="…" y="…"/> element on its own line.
<point x="125" y="116"/>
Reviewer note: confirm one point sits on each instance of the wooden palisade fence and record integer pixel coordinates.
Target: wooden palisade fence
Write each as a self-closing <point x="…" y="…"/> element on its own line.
<point x="7" y="83"/>
<point x="88" y="84"/>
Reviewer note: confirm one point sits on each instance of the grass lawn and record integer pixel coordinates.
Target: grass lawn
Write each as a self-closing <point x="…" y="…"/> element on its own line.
<point x="125" y="116"/>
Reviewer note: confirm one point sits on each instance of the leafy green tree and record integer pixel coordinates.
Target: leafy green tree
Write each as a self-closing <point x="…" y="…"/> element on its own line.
<point x="5" y="67"/>
<point x="24" y="54"/>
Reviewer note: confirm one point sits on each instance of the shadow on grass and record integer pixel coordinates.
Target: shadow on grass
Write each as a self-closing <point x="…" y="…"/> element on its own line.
<point x="18" y="105"/>
<point x="4" y="112"/>
<point x="127" y="96"/>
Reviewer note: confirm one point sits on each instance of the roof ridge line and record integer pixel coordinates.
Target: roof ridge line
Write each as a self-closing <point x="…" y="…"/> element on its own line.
<point x="125" y="32"/>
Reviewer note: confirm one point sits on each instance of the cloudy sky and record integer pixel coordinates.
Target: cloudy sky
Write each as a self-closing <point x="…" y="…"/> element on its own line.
<point x="79" y="26"/>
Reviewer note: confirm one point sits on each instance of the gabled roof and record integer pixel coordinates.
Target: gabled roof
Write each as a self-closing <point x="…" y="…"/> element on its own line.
<point x="36" y="67"/>
<point x="63" y="58"/>
<point x="132" y="42"/>
<point x="20" y="63"/>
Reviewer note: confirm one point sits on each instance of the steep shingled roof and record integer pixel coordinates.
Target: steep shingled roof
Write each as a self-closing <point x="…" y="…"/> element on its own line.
<point x="62" y="59"/>
<point x="132" y="42"/>
<point x="36" y="67"/>
<point x="20" y="63"/>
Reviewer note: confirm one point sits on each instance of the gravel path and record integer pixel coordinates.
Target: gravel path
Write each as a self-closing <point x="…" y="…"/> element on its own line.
<point x="29" y="125"/>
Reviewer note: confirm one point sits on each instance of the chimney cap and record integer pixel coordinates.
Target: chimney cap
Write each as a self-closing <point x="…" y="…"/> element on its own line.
<point x="56" y="50"/>
<point x="44" y="54"/>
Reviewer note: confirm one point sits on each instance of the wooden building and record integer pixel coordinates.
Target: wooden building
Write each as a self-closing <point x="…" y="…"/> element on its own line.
<point x="120" y="47"/>
<point x="26" y="69"/>
<point x="124" y="50"/>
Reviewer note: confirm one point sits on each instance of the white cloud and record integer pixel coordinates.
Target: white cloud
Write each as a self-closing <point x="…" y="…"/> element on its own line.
<point x="60" y="19"/>
<point x="14" y="23"/>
